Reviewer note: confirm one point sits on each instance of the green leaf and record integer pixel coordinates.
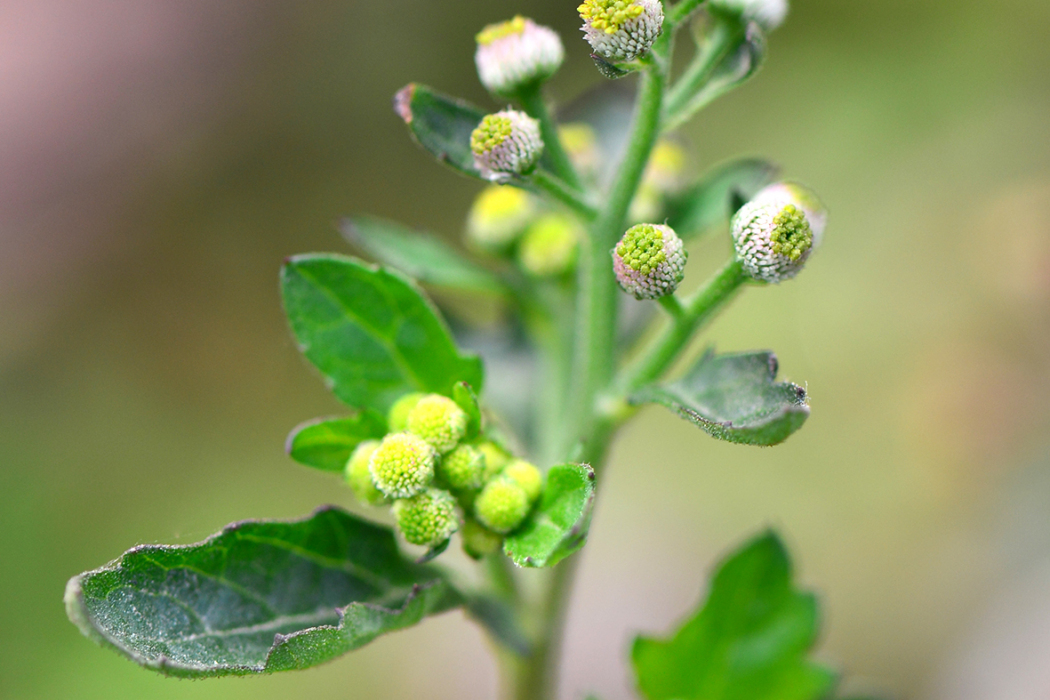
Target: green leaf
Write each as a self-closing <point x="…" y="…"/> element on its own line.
<point x="711" y="200"/>
<point x="558" y="525"/>
<point x="424" y="257"/>
<point x="370" y="331"/>
<point x="440" y="124"/>
<point x="609" y="70"/>
<point x="258" y="597"/>
<point x="749" y="641"/>
<point x="734" y="398"/>
<point x="327" y="443"/>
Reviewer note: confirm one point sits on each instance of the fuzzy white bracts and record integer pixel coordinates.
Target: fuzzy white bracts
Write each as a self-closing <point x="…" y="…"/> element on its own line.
<point x="621" y="30"/>
<point x="649" y="261"/>
<point x="517" y="53"/>
<point x="773" y="240"/>
<point x="803" y="198"/>
<point x="506" y="144"/>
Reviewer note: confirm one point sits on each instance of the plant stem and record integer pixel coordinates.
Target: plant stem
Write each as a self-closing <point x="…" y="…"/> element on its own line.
<point x="537" y="677"/>
<point x="563" y="192"/>
<point x="722" y="39"/>
<point x="531" y="98"/>
<point x="681" y="10"/>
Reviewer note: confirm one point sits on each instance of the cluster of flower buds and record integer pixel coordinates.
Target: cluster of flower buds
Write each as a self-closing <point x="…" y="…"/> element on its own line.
<point x="768" y="14"/>
<point x="516" y="54"/>
<point x="506" y="144"/>
<point x="649" y="261"/>
<point x="438" y="482"/>
<point x="777" y="230"/>
<point x="621" y="30"/>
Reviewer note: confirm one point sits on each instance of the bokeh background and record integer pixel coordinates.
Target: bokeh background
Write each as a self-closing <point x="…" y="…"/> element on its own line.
<point x="159" y="159"/>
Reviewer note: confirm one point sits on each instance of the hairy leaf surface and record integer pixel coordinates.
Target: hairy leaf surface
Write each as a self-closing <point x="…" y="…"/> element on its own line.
<point x="327" y="443"/>
<point x="558" y="525"/>
<point x="440" y="124"/>
<point x="370" y="331"/>
<point x="734" y="397"/>
<point x="749" y="641"/>
<point x="258" y="597"/>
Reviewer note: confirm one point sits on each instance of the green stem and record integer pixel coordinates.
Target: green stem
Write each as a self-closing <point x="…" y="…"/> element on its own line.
<point x="722" y="39"/>
<point x="680" y="11"/>
<point x="563" y="193"/>
<point x="531" y="98"/>
<point x="537" y="676"/>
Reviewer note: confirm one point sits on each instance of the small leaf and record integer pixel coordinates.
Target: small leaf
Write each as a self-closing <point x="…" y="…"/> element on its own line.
<point x="498" y="618"/>
<point x="259" y="597"/>
<point x="558" y="525"/>
<point x="327" y="443"/>
<point x="734" y="398"/>
<point x="609" y="70"/>
<point x="370" y="331"/>
<point x="423" y="257"/>
<point x="440" y="124"/>
<point x="716" y="197"/>
<point x="749" y="641"/>
<point x="465" y="398"/>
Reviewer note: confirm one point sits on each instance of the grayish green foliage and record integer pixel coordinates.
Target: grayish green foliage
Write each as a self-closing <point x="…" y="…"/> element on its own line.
<point x="370" y="331"/>
<point x="735" y="398"/>
<point x="440" y="124"/>
<point x="259" y="597"/>
<point x="749" y="641"/>
<point x="326" y="443"/>
<point x="709" y="201"/>
<point x="424" y="257"/>
<point x="558" y="525"/>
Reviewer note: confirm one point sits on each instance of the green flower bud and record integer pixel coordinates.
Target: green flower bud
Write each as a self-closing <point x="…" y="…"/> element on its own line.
<point x="663" y="176"/>
<point x="768" y="14"/>
<point x="438" y="420"/>
<point x="649" y="261"/>
<point x="621" y="30"/>
<point x="803" y="198"/>
<point x="506" y="144"/>
<point x="549" y="246"/>
<point x="581" y="143"/>
<point x="527" y="476"/>
<point x="502" y="505"/>
<point x="498" y="216"/>
<point x="462" y="469"/>
<point x="773" y="240"/>
<point x="358" y="476"/>
<point x="428" y="518"/>
<point x="495" y="459"/>
<point x="515" y="54"/>
<point x="397" y="416"/>
<point x="402" y="465"/>
<point x="478" y="540"/>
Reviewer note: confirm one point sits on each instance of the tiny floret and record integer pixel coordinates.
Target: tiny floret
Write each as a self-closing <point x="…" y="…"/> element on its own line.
<point x="462" y="469"/>
<point x="438" y="420"/>
<point x="768" y="14"/>
<point x="402" y="465"/>
<point x="358" y="476"/>
<point x="515" y="54"/>
<point x="502" y="505"/>
<point x="506" y="144"/>
<point x="427" y="519"/>
<point x="527" y="476"/>
<point x="649" y="261"/>
<point x="803" y="198"/>
<point x="397" y="416"/>
<point x="772" y="239"/>
<point x="498" y="216"/>
<point x="548" y="248"/>
<point x="621" y="30"/>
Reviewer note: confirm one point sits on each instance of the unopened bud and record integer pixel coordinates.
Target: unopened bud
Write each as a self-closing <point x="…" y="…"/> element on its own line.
<point x="768" y="14"/>
<point x="439" y="420"/>
<point x="548" y="248"/>
<point x="498" y="216"/>
<point x="502" y="505"/>
<point x="506" y="144"/>
<point x="581" y="143"/>
<point x="495" y="459"/>
<point x="358" y="476"/>
<point x="515" y="54"/>
<point x="803" y="198"/>
<point x="621" y="30"/>
<point x="772" y="239"/>
<point x="527" y="476"/>
<point x="463" y="469"/>
<point x="663" y="176"/>
<point x="428" y="518"/>
<point x="649" y="261"/>
<point x="397" y="416"/>
<point x="478" y="540"/>
<point x="402" y="465"/>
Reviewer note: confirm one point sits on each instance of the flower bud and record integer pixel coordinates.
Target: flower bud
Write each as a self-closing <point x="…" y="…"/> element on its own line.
<point x="506" y="144"/>
<point x="498" y="216"/>
<point x="768" y="14"/>
<point x="649" y="261"/>
<point x="772" y="239"/>
<point x="803" y="198"/>
<point x="462" y="469"/>
<point x="621" y="30"/>
<point x="548" y="248"/>
<point x="662" y="177"/>
<point x="478" y="540"/>
<point x="517" y="53"/>
<point x="581" y="144"/>
<point x="502" y="505"/>
<point x="397" y="416"/>
<point x="438" y="420"/>
<point x="495" y="459"/>
<point x="527" y="476"/>
<point x="358" y="476"/>
<point x="402" y="465"/>
<point x="428" y="518"/>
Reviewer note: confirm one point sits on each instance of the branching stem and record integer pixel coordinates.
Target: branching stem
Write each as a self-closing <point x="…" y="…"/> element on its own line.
<point x="531" y="99"/>
<point x="564" y="193"/>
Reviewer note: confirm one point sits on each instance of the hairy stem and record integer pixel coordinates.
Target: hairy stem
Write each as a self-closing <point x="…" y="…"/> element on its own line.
<point x="564" y="193"/>
<point x="722" y="39"/>
<point x="531" y="98"/>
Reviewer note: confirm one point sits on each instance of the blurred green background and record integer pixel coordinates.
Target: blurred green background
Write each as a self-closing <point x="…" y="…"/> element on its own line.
<point x="158" y="160"/>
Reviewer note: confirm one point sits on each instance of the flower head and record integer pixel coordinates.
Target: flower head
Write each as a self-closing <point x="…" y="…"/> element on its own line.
<point x="495" y="459"/>
<point x="649" y="261"/>
<point x="662" y="177"/>
<point x="581" y="143"/>
<point x="773" y="240"/>
<point x="516" y="53"/>
<point x="397" y="416"/>
<point x="549" y="245"/>
<point x="768" y="14"/>
<point x="502" y="505"/>
<point x="402" y="465"/>
<point x="527" y="476"/>
<point x="358" y="476"/>
<point x="621" y="30"/>
<point x="506" y="144"/>
<point x="463" y="469"/>
<point x="438" y="420"/>
<point x="428" y="518"/>
<point x="803" y="198"/>
<point x="498" y="216"/>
